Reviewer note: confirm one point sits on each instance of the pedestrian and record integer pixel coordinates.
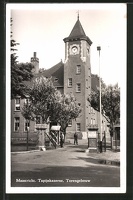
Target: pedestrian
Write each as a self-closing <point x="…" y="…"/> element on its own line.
<point x="75" y="138"/>
<point x="61" y="139"/>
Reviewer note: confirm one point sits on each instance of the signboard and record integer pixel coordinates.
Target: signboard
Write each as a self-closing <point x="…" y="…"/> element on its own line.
<point x="92" y="139"/>
<point x="55" y="128"/>
<point x="92" y="142"/>
<point x="41" y="126"/>
<point x="92" y="134"/>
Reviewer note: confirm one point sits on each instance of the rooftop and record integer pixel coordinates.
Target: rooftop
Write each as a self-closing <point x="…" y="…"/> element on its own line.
<point x="78" y="33"/>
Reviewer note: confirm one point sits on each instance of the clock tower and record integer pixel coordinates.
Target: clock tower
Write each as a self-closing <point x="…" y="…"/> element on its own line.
<point x="77" y="75"/>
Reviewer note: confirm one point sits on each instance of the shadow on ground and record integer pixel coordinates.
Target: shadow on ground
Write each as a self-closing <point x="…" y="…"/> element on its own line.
<point x="81" y="146"/>
<point x="65" y="176"/>
<point x="95" y="160"/>
<point x="99" y="161"/>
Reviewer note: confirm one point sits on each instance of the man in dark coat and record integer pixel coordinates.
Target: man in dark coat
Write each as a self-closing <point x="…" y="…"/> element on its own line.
<point x="75" y="138"/>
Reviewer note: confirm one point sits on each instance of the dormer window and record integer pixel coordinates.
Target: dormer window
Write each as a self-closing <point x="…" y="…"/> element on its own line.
<point x="56" y="79"/>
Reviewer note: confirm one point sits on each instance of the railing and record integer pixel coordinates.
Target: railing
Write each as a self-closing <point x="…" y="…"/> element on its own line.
<point x="52" y="139"/>
<point x="93" y="126"/>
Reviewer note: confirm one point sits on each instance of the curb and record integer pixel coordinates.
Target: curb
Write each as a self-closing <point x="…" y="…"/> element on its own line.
<point x="32" y="151"/>
<point x="25" y="151"/>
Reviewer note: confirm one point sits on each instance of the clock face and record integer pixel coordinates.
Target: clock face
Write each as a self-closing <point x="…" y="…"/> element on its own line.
<point x="74" y="49"/>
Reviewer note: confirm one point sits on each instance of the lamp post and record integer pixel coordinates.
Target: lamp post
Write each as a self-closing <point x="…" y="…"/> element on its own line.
<point x="27" y="136"/>
<point x="100" y="116"/>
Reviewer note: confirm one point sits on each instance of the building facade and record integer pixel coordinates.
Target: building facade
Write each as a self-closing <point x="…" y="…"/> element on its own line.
<point x="72" y="76"/>
<point x="77" y="74"/>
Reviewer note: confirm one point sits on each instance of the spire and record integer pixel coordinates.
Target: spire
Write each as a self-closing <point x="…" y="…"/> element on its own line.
<point x="78" y="14"/>
<point x="77" y="32"/>
<point x="77" y="29"/>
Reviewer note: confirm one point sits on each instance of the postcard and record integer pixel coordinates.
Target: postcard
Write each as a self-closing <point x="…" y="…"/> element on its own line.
<point x="66" y="98"/>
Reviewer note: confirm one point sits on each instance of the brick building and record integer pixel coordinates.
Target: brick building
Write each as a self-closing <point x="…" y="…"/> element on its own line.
<point x="72" y="76"/>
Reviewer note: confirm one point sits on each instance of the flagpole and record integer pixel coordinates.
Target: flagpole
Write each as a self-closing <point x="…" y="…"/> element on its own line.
<point x="100" y="110"/>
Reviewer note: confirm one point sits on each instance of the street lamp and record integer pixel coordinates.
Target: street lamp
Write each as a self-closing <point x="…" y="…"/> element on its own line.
<point x="100" y="116"/>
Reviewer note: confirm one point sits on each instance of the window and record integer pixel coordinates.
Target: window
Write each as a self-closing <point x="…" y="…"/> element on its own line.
<point x="86" y="83"/>
<point x="38" y="120"/>
<point x="93" y="122"/>
<point x="27" y="101"/>
<point x="70" y="82"/>
<point x="26" y="125"/>
<point x="78" y="71"/>
<point x="17" y="104"/>
<point x="43" y="120"/>
<point x="70" y="123"/>
<point x="78" y="87"/>
<point x="55" y="79"/>
<point x="78" y="128"/>
<point x="91" y="110"/>
<point x="16" y="123"/>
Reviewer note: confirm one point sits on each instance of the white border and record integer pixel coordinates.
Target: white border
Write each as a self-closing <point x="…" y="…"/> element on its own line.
<point x="9" y="189"/>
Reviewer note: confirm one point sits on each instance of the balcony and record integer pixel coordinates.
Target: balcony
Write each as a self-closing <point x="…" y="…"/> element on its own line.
<point x="92" y="127"/>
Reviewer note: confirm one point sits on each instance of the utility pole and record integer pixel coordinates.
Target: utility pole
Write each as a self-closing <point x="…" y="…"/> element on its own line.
<point x="100" y="113"/>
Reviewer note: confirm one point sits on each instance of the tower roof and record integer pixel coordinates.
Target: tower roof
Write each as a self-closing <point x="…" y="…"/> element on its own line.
<point x="78" y="33"/>
<point x="77" y="30"/>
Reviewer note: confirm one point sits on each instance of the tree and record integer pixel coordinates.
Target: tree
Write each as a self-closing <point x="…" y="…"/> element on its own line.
<point x="111" y="104"/>
<point x="19" y="72"/>
<point x="110" y="100"/>
<point x="13" y="45"/>
<point x="46" y="101"/>
<point x="65" y="110"/>
<point x="41" y="97"/>
<point x="94" y="98"/>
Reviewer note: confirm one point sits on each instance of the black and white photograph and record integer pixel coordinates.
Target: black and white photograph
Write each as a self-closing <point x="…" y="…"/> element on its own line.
<point x="66" y="98"/>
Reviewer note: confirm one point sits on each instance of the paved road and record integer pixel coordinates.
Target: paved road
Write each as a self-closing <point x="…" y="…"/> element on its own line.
<point x="68" y="166"/>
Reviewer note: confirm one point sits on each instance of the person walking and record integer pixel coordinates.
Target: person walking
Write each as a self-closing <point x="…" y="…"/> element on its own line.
<point x="75" y="138"/>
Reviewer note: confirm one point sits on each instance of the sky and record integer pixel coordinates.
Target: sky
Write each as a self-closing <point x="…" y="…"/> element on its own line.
<point x="41" y="28"/>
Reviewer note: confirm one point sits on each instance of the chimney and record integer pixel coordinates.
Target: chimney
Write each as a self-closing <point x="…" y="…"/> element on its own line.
<point x="35" y="62"/>
<point x="34" y="54"/>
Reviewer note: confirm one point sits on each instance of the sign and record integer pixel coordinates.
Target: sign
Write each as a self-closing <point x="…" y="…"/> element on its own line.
<point x="92" y="134"/>
<point x="41" y="126"/>
<point x="55" y="128"/>
<point x="92" y="142"/>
